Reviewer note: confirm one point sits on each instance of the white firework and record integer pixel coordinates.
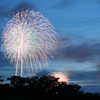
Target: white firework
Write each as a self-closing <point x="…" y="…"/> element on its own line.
<point x="29" y="38"/>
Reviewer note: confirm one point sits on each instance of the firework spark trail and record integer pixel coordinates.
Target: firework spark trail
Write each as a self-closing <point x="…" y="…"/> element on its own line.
<point x="29" y="38"/>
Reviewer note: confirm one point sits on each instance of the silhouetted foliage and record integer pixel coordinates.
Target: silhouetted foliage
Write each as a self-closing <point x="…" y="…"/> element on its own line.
<point x="46" y="88"/>
<point x="1" y="80"/>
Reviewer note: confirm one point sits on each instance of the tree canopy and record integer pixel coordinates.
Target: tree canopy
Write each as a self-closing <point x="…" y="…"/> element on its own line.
<point x="46" y="88"/>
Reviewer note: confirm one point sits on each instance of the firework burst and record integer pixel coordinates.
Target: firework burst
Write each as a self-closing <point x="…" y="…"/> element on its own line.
<point x="62" y="75"/>
<point x="29" y="38"/>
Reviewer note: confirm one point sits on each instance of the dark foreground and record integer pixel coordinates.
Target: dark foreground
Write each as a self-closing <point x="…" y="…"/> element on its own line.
<point x="42" y="88"/>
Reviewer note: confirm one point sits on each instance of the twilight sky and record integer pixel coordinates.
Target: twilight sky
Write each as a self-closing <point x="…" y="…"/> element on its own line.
<point x="77" y="23"/>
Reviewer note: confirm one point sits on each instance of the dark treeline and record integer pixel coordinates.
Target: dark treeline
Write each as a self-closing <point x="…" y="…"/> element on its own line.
<point x="42" y="88"/>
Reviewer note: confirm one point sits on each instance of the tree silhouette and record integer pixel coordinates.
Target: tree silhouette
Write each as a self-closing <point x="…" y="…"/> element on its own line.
<point x="46" y="88"/>
<point x="1" y="80"/>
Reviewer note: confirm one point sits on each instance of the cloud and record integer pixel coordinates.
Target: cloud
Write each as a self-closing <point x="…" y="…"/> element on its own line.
<point x="88" y="80"/>
<point x="63" y="4"/>
<point x="98" y="1"/>
<point x="79" y="53"/>
<point x="63" y="42"/>
<point x="24" y="6"/>
<point x="84" y="75"/>
<point x="5" y="10"/>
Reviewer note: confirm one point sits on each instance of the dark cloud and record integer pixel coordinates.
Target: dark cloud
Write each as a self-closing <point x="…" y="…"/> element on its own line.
<point x="5" y="9"/>
<point x="88" y="80"/>
<point x="83" y="75"/>
<point x="64" y="39"/>
<point x="63" y="42"/>
<point x="98" y="66"/>
<point x="63" y="4"/>
<point x="80" y="53"/>
<point x="98" y="1"/>
<point x="23" y="6"/>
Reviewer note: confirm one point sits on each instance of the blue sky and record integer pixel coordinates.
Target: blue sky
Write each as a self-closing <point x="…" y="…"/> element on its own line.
<point x="77" y="23"/>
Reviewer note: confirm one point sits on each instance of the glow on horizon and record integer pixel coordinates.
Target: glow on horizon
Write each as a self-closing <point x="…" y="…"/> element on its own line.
<point x="62" y="75"/>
